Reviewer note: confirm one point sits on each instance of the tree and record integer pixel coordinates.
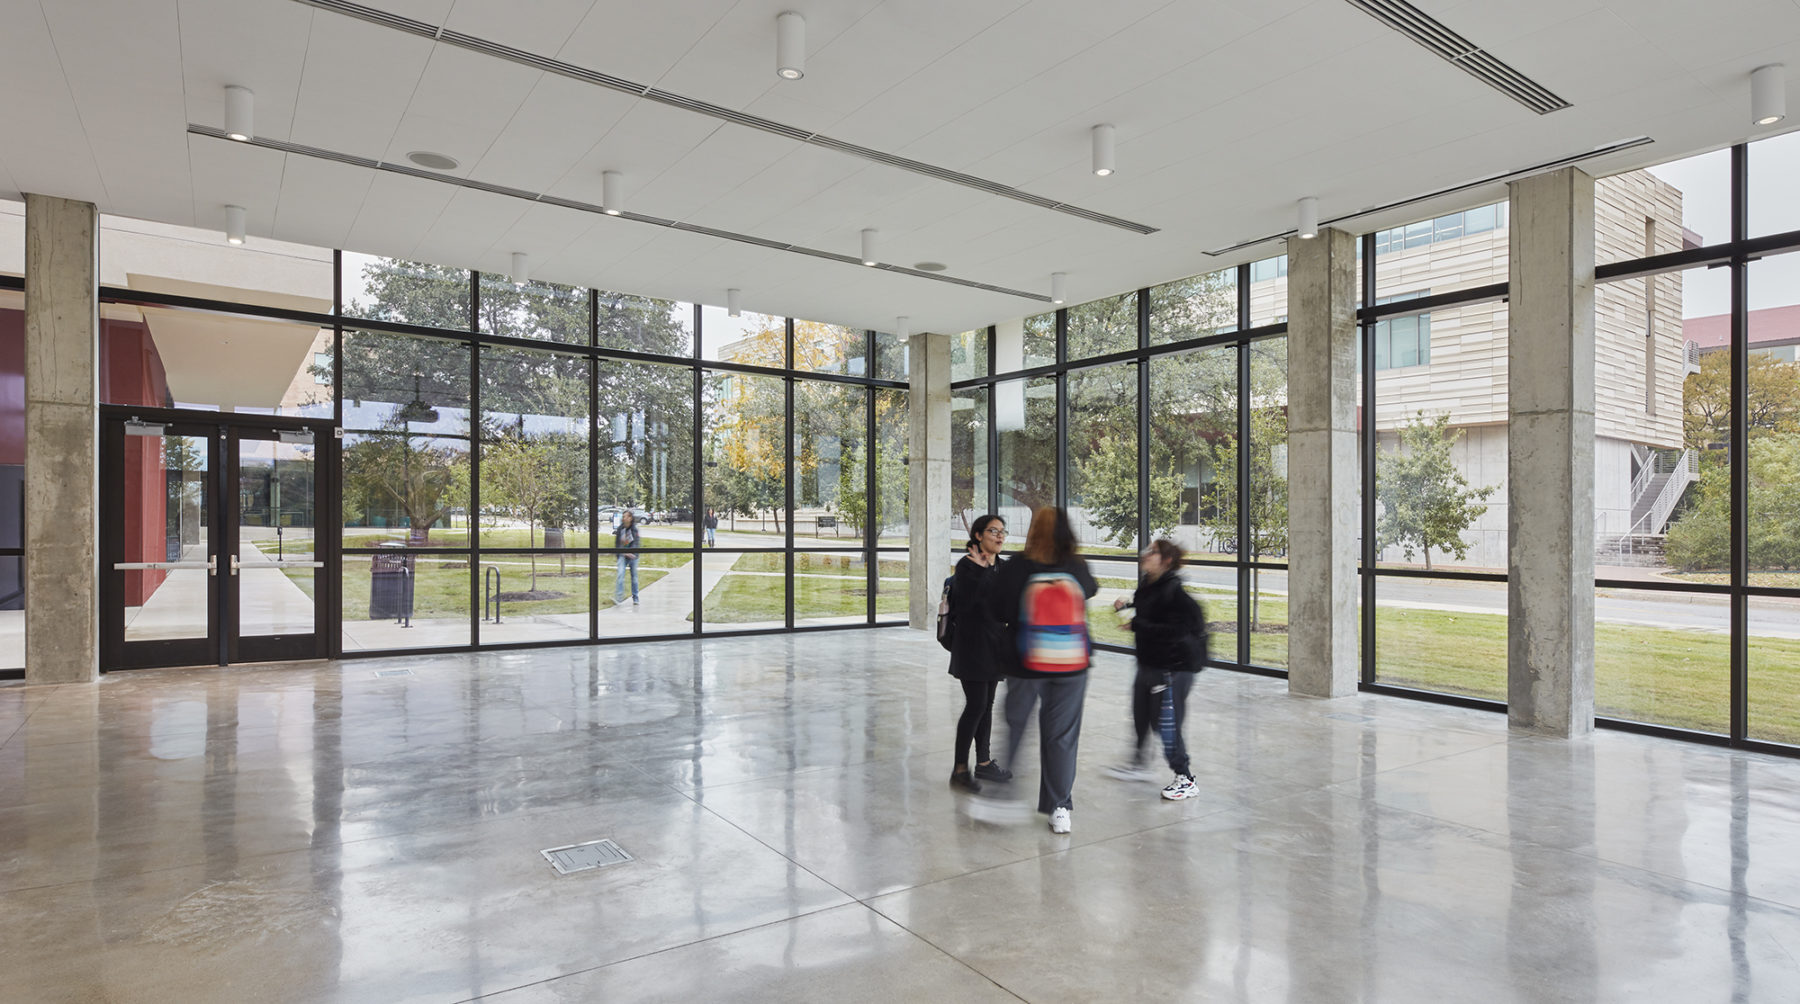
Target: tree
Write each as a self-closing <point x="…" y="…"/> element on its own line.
<point x="1426" y="503"/>
<point x="1701" y="539"/>
<point x="527" y="475"/>
<point x="415" y="476"/>
<point x="1772" y="393"/>
<point x="1110" y="491"/>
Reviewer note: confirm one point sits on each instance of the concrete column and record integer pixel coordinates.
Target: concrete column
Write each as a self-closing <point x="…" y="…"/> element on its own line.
<point x="1550" y="460"/>
<point x="62" y="616"/>
<point x="928" y="468"/>
<point x="1322" y="471"/>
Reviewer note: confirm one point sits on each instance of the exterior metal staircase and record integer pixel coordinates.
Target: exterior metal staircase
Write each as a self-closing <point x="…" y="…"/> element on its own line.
<point x="1662" y="481"/>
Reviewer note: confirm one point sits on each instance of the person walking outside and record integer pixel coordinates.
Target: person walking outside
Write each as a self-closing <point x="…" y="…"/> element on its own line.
<point x="712" y="528"/>
<point x="626" y="538"/>
<point x="1170" y="629"/>
<point x="974" y="654"/>
<point x="1040" y="600"/>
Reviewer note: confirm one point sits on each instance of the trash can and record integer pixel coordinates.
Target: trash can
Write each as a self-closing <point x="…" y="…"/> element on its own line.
<point x="391" y="587"/>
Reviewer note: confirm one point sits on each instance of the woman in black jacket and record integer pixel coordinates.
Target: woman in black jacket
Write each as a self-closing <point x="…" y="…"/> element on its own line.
<point x="1040" y="599"/>
<point x="1171" y="648"/>
<point x="973" y="656"/>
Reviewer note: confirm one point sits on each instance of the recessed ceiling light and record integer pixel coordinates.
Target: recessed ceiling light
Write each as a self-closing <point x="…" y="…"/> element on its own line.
<point x="432" y="161"/>
<point x="930" y="266"/>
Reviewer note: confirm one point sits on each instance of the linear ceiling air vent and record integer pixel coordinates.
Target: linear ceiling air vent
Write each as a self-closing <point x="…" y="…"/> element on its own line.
<point x="547" y="64"/>
<point x="1462" y="53"/>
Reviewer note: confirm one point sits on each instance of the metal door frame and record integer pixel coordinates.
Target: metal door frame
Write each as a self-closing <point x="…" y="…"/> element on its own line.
<point x="223" y="431"/>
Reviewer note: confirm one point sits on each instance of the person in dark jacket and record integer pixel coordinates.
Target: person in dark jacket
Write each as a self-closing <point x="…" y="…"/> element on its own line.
<point x="1040" y="601"/>
<point x="974" y="654"/>
<point x="1171" y="647"/>
<point x="626" y="538"/>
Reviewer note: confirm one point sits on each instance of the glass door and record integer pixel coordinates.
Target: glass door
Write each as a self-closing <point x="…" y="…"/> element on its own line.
<point x="276" y="567"/>
<point x="209" y="541"/>
<point x="159" y="547"/>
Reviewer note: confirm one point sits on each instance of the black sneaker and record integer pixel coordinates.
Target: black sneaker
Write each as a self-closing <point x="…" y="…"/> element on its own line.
<point x="966" y="781"/>
<point x="992" y="771"/>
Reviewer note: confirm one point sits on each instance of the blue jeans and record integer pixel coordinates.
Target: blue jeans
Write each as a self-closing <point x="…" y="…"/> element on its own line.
<point x="626" y="561"/>
<point x="710" y="539"/>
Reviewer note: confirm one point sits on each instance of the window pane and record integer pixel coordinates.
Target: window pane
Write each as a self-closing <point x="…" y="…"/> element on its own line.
<point x="968" y="459"/>
<point x="1441" y="255"/>
<point x="831" y="488"/>
<point x="830" y="348"/>
<point x="1037" y="349"/>
<point x="968" y="354"/>
<point x="404" y="490"/>
<point x="534" y="597"/>
<point x="1774" y="669"/>
<point x="1773" y="416"/>
<point x="752" y="339"/>
<point x="161" y="357"/>
<point x="1268" y="291"/>
<point x="1686" y="203"/>
<point x="893" y="486"/>
<point x="534" y="449"/>
<point x="744" y="455"/>
<point x="645" y="427"/>
<point x="640" y="324"/>
<point x="534" y="310"/>
<point x="391" y="289"/>
<point x="12" y="613"/>
<point x="744" y="591"/>
<point x="1193" y="451"/>
<point x="1445" y="635"/>
<point x="1215" y="589"/>
<point x="1102" y="326"/>
<point x="1025" y="415"/>
<point x="1117" y="579"/>
<point x="1268" y="501"/>
<point x="829" y="588"/>
<point x="893" y="361"/>
<point x="1103" y="460"/>
<point x="891" y="596"/>
<point x="1774" y="164"/>
<point x="405" y="601"/>
<point x="1267" y="618"/>
<point x="1663" y="658"/>
<point x="396" y="383"/>
<point x="1660" y="401"/>
<point x="666" y="570"/>
<point x="1193" y="308"/>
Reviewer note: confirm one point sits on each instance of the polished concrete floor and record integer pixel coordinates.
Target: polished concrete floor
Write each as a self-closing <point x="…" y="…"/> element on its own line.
<point x="371" y="831"/>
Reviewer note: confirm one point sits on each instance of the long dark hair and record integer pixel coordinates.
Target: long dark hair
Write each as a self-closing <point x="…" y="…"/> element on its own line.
<point x="1051" y="540"/>
<point x="980" y="526"/>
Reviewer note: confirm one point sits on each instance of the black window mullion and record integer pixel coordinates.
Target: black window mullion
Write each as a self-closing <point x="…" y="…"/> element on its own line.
<point x="788" y="467"/>
<point x="1366" y="436"/>
<point x="334" y="538"/>
<point x="593" y="506"/>
<point x="473" y="515"/>
<point x="872" y="515"/>
<point x="1062" y="408"/>
<point x="1143" y="419"/>
<point x="697" y="492"/>
<point x="993" y="431"/>
<point x="1739" y="454"/>
<point x="1248" y="578"/>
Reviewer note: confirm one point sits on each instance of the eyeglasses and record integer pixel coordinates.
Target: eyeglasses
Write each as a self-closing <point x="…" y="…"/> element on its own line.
<point x="994" y="531"/>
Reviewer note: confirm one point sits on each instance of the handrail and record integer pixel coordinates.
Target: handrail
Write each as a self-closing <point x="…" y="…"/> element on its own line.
<point x="1682" y="473"/>
<point x="490" y="592"/>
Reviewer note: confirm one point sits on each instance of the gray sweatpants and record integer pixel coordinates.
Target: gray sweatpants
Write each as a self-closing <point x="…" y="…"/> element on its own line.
<point x="1059" y="732"/>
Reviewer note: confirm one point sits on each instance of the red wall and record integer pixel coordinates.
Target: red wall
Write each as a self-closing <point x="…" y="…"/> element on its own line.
<point x="131" y="372"/>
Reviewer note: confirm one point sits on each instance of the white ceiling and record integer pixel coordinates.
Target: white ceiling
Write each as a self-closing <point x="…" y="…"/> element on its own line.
<point x="1227" y="111"/>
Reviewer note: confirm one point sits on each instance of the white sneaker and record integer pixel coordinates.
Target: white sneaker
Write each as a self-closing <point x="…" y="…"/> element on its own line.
<point x="1059" y="821"/>
<point x="1182" y="787"/>
<point x="1132" y="772"/>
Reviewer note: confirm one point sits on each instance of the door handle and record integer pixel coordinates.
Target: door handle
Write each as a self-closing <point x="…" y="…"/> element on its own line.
<point x="234" y="564"/>
<point x="162" y="566"/>
<point x="296" y="564"/>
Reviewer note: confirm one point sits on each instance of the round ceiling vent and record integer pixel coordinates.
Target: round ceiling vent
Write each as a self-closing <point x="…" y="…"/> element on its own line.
<point x="930" y="266"/>
<point x="432" y="161"/>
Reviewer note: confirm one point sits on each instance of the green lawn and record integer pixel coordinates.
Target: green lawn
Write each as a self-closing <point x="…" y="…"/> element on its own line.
<point x="815" y="563"/>
<point x="1268" y="643"/>
<point x="747" y="599"/>
<point x="441" y="587"/>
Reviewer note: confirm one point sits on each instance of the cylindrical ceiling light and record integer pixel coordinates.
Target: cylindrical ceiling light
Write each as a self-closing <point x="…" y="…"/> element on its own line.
<point x="1768" y="94"/>
<point x="521" y="269"/>
<point x="903" y="327"/>
<point x="1058" y="290"/>
<point x="790" y="45"/>
<point x="868" y="246"/>
<point x="234" y="224"/>
<point x="240" y="113"/>
<point x="1308" y="227"/>
<point x="733" y="303"/>
<point x="1103" y="150"/>
<point x="612" y="192"/>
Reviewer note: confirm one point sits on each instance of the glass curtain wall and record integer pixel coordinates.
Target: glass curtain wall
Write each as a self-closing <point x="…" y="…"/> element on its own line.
<point x="498" y="438"/>
<point x="1165" y="416"/>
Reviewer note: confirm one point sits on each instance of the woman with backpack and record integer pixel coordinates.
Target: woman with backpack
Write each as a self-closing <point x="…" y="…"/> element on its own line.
<point x="1171" y="648"/>
<point x="974" y="655"/>
<point x="1040" y="600"/>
